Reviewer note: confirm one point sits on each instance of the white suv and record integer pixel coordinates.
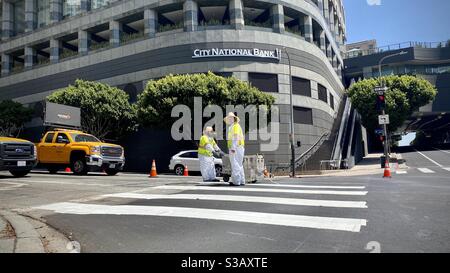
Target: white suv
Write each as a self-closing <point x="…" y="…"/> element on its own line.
<point x="190" y="159"/>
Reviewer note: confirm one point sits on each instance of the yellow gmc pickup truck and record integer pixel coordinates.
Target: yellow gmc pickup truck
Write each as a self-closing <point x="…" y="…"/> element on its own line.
<point x="17" y="156"/>
<point x="81" y="152"/>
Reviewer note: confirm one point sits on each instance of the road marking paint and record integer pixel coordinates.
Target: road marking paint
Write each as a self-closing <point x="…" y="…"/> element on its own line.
<point x="311" y="187"/>
<point x="425" y="170"/>
<point x="447" y="152"/>
<point x="447" y="169"/>
<point x="12" y="186"/>
<point x="431" y="160"/>
<point x="241" y="198"/>
<point x="401" y="172"/>
<point x="300" y="221"/>
<point x="250" y="189"/>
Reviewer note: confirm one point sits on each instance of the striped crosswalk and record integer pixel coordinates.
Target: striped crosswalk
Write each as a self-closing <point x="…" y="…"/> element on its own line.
<point x="183" y="202"/>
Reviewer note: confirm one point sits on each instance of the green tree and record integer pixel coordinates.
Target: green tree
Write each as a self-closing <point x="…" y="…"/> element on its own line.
<point x="105" y="110"/>
<point x="13" y="115"/>
<point x="405" y="95"/>
<point x="155" y="104"/>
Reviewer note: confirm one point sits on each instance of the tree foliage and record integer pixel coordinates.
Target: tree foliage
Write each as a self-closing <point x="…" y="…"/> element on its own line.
<point x="105" y="110"/>
<point x="13" y="115"/>
<point x="159" y="97"/>
<point x="405" y="95"/>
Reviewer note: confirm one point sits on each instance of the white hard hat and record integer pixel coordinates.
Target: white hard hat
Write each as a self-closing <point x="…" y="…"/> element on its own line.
<point x="231" y="114"/>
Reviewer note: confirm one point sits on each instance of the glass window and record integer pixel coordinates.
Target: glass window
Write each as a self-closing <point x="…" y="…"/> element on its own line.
<point x="84" y="138"/>
<point x="19" y="17"/>
<point x="322" y="93"/>
<point x="71" y="8"/>
<point x="43" y="12"/>
<point x="264" y="82"/>
<point x="303" y="115"/>
<point x="301" y="87"/>
<point x="61" y="138"/>
<point x="331" y="101"/>
<point x="95" y="4"/>
<point x="49" y="138"/>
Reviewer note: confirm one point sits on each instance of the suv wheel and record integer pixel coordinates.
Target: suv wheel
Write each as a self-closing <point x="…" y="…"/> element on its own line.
<point x="179" y="170"/>
<point x="79" y="166"/>
<point x="19" y="173"/>
<point x="218" y="170"/>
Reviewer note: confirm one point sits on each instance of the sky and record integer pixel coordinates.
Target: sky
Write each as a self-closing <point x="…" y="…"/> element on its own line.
<point x="397" y="21"/>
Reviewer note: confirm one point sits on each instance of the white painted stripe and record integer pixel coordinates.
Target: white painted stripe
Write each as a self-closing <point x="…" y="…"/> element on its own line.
<point x="250" y="189"/>
<point x="425" y="170"/>
<point x="401" y="172"/>
<point x="241" y="198"/>
<point x="447" y="152"/>
<point x="447" y="169"/>
<point x="343" y="224"/>
<point x="431" y="160"/>
<point x="311" y="187"/>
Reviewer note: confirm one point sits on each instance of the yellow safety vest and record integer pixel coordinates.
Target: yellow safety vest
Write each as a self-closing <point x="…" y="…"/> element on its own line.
<point x="205" y="140"/>
<point x="236" y="130"/>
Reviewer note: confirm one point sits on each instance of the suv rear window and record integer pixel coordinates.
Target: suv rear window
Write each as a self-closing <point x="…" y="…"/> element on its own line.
<point x="49" y="138"/>
<point x="189" y="155"/>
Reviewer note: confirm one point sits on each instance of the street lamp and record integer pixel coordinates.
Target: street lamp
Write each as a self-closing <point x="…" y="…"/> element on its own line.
<point x="386" y="139"/>
<point x="292" y="132"/>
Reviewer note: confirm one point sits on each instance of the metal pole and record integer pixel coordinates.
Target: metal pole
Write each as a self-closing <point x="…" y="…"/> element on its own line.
<point x="386" y="138"/>
<point x="292" y="132"/>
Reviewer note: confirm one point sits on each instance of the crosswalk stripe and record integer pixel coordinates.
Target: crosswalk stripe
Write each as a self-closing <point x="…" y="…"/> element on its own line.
<point x="241" y="198"/>
<point x="447" y="169"/>
<point x="401" y="172"/>
<point x="250" y="189"/>
<point x="425" y="170"/>
<point x="311" y="186"/>
<point x="330" y="223"/>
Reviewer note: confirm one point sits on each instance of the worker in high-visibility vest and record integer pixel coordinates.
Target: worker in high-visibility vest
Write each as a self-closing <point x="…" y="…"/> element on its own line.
<point x="236" y="142"/>
<point x="206" y="149"/>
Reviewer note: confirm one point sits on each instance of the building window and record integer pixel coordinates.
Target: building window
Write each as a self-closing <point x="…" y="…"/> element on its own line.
<point x="19" y="17"/>
<point x="303" y="115"/>
<point x="301" y="87"/>
<point x="264" y="82"/>
<point x="224" y="74"/>
<point x="71" y="8"/>
<point x="332" y="101"/>
<point x="43" y="12"/>
<point x="322" y="93"/>
<point x="95" y="4"/>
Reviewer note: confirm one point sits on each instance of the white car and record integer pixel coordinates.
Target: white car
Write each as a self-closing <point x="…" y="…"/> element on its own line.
<point x="190" y="159"/>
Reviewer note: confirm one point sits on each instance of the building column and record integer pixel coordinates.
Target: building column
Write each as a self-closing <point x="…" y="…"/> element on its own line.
<point x="320" y="6"/>
<point x="331" y="20"/>
<point x="330" y="53"/>
<point x="7" y="20"/>
<point x="236" y="10"/>
<point x="335" y="62"/>
<point x="30" y="57"/>
<point x="115" y="29"/>
<point x="56" y="11"/>
<point x="6" y="64"/>
<point x="190" y="11"/>
<point x="277" y="15"/>
<point x="150" y="22"/>
<point x="326" y="12"/>
<point x="308" y="28"/>
<point x="55" y="50"/>
<point x="85" y="5"/>
<point x="323" y="46"/>
<point x="336" y="31"/>
<point x="30" y="15"/>
<point x="84" y="41"/>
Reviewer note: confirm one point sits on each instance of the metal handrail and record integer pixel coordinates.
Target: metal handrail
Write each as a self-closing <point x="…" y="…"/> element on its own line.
<point x="304" y="157"/>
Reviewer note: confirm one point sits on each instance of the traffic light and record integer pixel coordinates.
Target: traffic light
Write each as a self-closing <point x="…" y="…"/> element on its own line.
<point x="381" y="102"/>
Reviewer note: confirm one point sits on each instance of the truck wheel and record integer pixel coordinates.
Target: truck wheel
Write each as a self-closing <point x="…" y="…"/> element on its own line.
<point x="79" y="166"/>
<point x="52" y="170"/>
<point x="226" y="178"/>
<point x="19" y="173"/>
<point x="111" y="172"/>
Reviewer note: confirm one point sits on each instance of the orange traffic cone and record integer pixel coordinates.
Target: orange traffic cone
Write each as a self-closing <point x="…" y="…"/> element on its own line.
<point x="68" y="170"/>
<point x="387" y="170"/>
<point x="153" y="171"/>
<point x="186" y="171"/>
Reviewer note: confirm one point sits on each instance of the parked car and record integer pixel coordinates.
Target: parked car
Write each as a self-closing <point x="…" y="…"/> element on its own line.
<point x="190" y="159"/>
<point x="17" y="156"/>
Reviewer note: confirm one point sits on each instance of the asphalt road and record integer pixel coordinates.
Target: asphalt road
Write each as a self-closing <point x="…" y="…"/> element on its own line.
<point x="132" y="213"/>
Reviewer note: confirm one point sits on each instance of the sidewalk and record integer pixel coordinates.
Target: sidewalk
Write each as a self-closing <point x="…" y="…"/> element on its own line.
<point x="370" y="165"/>
<point x="23" y="234"/>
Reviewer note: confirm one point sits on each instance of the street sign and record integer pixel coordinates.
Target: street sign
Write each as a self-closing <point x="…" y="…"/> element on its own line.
<point x="383" y="119"/>
<point x="379" y="131"/>
<point x="380" y="90"/>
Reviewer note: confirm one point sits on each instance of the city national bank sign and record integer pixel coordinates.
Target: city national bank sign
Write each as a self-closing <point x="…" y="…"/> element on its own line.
<point x="237" y="52"/>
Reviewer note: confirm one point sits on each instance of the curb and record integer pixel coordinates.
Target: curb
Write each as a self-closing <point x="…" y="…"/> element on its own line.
<point x="27" y="238"/>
